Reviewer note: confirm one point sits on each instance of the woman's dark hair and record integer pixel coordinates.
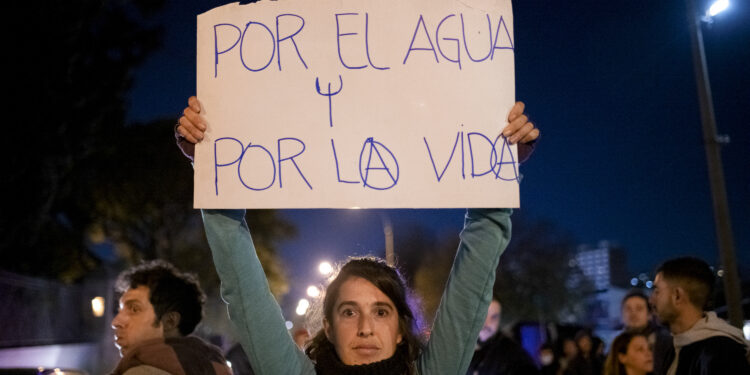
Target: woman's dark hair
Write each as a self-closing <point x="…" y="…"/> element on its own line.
<point x="389" y="281"/>
<point x="612" y="365"/>
<point x="169" y="290"/>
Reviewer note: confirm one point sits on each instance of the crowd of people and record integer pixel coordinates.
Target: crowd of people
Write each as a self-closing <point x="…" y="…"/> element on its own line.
<point x="161" y="306"/>
<point x="669" y="332"/>
<point x="369" y="322"/>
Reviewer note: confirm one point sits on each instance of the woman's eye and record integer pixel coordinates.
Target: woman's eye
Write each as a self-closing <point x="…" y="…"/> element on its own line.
<point x="382" y="312"/>
<point x="347" y="312"/>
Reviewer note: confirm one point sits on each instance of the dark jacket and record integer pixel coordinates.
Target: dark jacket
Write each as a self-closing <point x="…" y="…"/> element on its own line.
<point x="174" y="355"/>
<point x="585" y="366"/>
<point x="501" y="355"/>
<point x="718" y="355"/>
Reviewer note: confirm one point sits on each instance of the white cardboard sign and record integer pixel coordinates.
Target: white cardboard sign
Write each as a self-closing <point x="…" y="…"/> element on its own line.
<point x="344" y="103"/>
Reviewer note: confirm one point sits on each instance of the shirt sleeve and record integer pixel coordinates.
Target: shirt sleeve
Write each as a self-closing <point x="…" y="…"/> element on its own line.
<point x="467" y="293"/>
<point x="253" y="310"/>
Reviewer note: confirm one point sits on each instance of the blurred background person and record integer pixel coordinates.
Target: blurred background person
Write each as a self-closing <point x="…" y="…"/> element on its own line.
<point x="301" y="337"/>
<point x="630" y="354"/>
<point x="548" y="360"/>
<point x="569" y="353"/>
<point x="497" y="353"/>
<point x="637" y="317"/>
<point x="586" y="362"/>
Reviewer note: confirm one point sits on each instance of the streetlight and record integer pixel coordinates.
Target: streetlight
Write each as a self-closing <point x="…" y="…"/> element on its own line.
<point x="313" y="291"/>
<point x="712" y="143"/>
<point x="302" y="307"/>
<point x="717" y="7"/>
<point x="97" y="306"/>
<point x="325" y="268"/>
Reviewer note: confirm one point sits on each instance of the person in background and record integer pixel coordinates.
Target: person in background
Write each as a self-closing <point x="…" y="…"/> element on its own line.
<point x="630" y="354"/>
<point x="637" y="317"/>
<point x="703" y="343"/>
<point x="569" y="353"/>
<point x="548" y="360"/>
<point x="301" y="337"/>
<point x="159" y="308"/>
<point x="586" y="361"/>
<point x="496" y="353"/>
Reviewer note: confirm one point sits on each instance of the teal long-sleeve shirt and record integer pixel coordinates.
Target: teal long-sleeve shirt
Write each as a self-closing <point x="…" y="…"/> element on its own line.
<point x="261" y="327"/>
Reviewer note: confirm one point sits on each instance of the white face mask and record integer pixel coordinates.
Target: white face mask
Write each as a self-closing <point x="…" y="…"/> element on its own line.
<point x="546" y="359"/>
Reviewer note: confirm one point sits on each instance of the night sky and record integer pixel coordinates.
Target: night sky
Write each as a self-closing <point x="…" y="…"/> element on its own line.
<point x="611" y="86"/>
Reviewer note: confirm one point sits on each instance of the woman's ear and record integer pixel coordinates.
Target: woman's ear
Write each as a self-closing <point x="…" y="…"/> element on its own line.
<point x="621" y="358"/>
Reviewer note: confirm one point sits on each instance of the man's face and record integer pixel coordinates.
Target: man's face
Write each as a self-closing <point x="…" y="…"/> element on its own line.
<point x="135" y="322"/>
<point x="365" y="325"/>
<point x="491" y="322"/>
<point x="635" y="312"/>
<point x="661" y="300"/>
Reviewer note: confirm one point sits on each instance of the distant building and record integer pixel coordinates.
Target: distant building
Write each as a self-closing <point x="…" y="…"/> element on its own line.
<point x="604" y="265"/>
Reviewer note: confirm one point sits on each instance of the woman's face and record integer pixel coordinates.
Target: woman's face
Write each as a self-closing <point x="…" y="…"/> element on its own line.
<point x="584" y="344"/>
<point x="638" y="358"/>
<point x="364" y="328"/>
<point x="570" y="349"/>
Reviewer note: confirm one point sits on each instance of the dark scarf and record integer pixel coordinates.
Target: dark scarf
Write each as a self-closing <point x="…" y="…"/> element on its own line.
<point x="329" y="364"/>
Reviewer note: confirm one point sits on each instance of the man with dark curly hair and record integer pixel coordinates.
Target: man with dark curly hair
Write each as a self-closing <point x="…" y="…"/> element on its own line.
<point x="159" y="308"/>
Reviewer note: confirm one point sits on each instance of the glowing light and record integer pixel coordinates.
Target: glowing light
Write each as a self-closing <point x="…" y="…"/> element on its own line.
<point x="313" y="291"/>
<point x="97" y="306"/>
<point x="289" y="325"/>
<point x="718" y="7"/>
<point x="649" y="284"/>
<point x="746" y="329"/>
<point x="720" y="273"/>
<point x="634" y="281"/>
<point x="302" y="307"/>
<point x="325" y="268"/>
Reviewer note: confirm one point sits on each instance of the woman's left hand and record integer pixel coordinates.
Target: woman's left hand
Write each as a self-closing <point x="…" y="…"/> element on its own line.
<point x="519" y="128"/>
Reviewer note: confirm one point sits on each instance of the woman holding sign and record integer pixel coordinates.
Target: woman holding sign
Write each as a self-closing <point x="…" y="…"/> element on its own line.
<point x="369" y="326"/>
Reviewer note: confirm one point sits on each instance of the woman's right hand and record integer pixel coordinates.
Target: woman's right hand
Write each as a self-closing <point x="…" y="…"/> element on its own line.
<point x="192" y="125"/>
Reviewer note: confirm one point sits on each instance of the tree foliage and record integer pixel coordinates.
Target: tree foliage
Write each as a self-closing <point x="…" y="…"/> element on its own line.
<point x="535" y="279"/>
<point x="425" y="261"/>
<point x="80" y="176"/>
<point x="74" y="62"/>
<point x="142" y="201"/>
